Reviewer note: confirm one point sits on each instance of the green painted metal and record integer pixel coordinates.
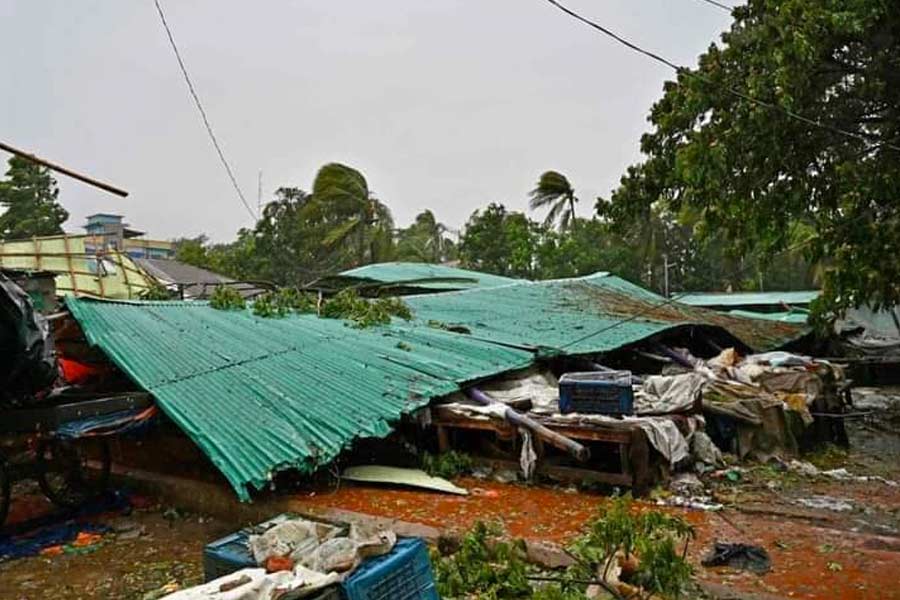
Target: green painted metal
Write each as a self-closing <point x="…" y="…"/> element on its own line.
<point x="749" y="298"/>
<point x="401" y="272"/>
<point x="592" y="314"/>
<point x="262" y="395"/>
<point x="798" y="315"/>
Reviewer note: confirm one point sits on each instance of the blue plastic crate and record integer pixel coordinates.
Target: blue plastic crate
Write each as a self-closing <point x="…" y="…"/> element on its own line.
<point x="402" y="574"/>
<point x="596" y="392"/>
<point x="232" y="553"/>
<point x="227" y="555"/>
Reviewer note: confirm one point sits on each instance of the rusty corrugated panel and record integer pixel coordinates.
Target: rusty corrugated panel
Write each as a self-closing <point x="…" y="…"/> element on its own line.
<point x="261" y="395"/>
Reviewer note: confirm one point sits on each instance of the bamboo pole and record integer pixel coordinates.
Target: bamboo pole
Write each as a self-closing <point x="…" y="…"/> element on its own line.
<point x="60" y="169"/>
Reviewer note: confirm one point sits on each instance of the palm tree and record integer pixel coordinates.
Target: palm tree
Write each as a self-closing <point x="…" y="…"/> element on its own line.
<point x="555" y="191"/>
<point x="355" y="219"/>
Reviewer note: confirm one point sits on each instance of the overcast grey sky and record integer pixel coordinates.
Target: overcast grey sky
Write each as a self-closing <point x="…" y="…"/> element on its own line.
<point x="442" y="104"/>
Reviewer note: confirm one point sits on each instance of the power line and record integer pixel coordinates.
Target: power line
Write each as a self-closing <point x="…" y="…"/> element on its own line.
<point x="719" y="5"/>
<point x="209" y="129"/>
<point x="737" y="93"/>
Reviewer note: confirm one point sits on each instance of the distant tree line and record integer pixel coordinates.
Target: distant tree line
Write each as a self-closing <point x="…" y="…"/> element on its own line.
<point x="303" y="236"/>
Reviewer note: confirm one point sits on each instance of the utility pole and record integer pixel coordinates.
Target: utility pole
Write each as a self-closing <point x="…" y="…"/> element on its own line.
<point x="259" y="194"/>
<point x="666" y="272"/>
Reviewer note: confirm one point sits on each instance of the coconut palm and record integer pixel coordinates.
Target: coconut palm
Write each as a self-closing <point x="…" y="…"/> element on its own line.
<point x="353" y="217"/>
<point x="553" y="190"/>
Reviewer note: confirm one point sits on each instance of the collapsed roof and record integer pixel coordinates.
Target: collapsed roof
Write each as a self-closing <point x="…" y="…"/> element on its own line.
<point x="259" y="395"/>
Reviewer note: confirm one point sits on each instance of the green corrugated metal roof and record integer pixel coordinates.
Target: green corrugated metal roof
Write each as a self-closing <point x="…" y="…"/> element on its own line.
<point x="261" y="395"/>
<point x="559" y="315"/>
<point x="798" y="316"/>
<point x="400" y="272"/>
<point x="748" y="298"/>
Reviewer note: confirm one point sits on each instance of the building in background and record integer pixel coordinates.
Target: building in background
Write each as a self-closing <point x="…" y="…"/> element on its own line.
<point x="108" y="232"/>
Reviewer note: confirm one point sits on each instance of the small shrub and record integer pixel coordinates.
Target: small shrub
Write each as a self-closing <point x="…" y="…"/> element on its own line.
<point x="447" y="464"/>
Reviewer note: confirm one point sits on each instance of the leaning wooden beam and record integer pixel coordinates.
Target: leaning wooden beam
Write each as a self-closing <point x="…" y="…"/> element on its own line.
<point x="46" y="163"/>
<point x="519" y="420"/>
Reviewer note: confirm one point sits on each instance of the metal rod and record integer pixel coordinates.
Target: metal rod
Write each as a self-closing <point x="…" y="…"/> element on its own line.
<point x="59" y="169"/>
<point x="598" y="367"/>
<point x="580" y="452"/>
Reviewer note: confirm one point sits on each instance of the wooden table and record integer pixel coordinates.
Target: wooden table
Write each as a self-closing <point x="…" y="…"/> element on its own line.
<point x="637" y="464"/>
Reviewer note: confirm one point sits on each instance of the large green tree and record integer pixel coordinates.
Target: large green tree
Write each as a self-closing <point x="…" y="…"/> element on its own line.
<point x="28" y="196"/>
<point x="501" y="242"/>
<point x="764" y="180"/>
<point x="356" y="221"/>
<point x="301" y="237"/>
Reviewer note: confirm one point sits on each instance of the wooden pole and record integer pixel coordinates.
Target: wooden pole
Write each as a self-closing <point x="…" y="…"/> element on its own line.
<point x="59" y="169"/>
<point x="580" y="452"/>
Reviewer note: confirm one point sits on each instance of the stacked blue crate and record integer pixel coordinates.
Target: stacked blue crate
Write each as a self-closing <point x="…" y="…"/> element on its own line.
<point x="596" y="392"/>
<point x="404" y="573"/>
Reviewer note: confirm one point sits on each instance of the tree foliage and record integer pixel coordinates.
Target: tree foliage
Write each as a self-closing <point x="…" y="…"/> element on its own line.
<point x="425" y="241"/>
<point x="498" y="241"/>
<point x="301" y="236"/>
<point x="358" y="225"/>
<point x="554" y="191"/>
<point x="28" y="196"/>
<point x="761" y="181"/>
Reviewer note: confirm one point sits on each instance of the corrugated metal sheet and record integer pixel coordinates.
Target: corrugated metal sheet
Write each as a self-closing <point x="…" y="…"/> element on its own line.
<point x="261" y="395"/>
<point x="557" y="316"/>
<point x="748" y="298"/>
<point x="78" y="272"/>
<point x="798" y="316"/>
<point x="399" y="272"/>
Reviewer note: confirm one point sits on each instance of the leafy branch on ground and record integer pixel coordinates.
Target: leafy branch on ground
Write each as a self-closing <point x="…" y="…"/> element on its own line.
<point x="485" y="566"/>
<point x="644" y="544"/>
<point x="447" y="464"/>
<point x="226" y="298"/>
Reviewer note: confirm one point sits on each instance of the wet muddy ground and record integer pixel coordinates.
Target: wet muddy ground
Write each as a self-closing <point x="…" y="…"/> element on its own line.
<point x="146" y="551"/>
<point x="827" y="538"/>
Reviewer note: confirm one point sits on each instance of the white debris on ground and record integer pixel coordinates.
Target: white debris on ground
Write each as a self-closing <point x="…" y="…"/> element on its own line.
<point x="842" y="474"/>
<point x="826" y="503"/>
<point x="876" y="398"/>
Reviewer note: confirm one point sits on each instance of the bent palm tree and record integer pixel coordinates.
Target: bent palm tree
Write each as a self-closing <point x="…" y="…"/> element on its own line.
<point x="555" y="191"/>
<point x="355" y="217"/>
